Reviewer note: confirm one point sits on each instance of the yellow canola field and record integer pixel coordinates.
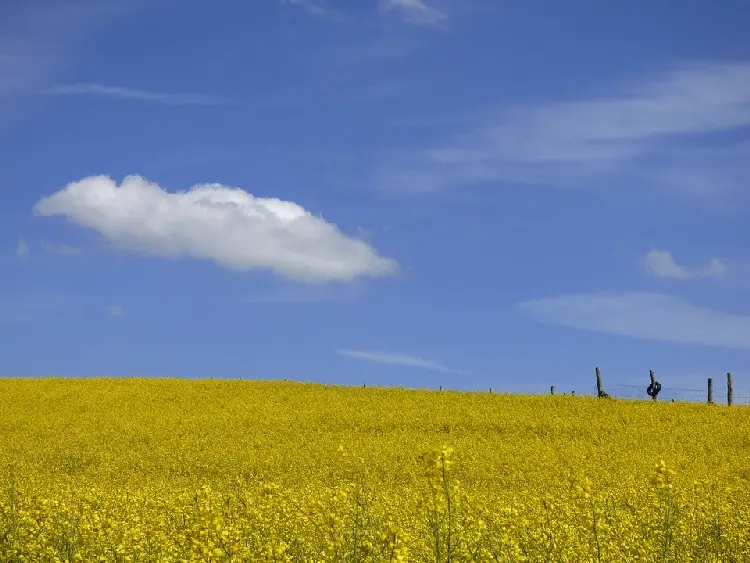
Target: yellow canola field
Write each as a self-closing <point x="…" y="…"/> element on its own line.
<point x="172" y="470"/>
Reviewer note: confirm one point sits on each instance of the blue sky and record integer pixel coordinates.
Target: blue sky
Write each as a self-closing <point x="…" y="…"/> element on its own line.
<point x="474" y="193"/>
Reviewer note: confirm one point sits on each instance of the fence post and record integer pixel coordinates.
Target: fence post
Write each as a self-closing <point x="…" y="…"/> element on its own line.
<point x="730" y="391"/>
<point x="600" y="392"/>
<point x="653" y="380"/>
<point x="551" y="389"/>
<point x="490" y="390"/>
<point x="710" y="390"/>
<point x="441" y="387"/>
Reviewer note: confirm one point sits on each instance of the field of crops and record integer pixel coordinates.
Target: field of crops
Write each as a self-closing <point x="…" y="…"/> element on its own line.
<point x="170" y="470"/>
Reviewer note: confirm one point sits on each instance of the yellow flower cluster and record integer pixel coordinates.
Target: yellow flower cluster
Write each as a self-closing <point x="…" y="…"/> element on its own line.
<point x="169" y="470"/>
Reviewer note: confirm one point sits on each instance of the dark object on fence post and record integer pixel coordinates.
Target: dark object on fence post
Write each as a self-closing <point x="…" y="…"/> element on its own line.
<point x="710" y="391"/>
<point x="551" y="389"/>
<point x="730" y="390"/>
<point x="654" y="387"/>
<point x="600" y="387"/>
<point x="490" y="390"/>
<point x="441" y="387"/>
<point x="572" y="392"/>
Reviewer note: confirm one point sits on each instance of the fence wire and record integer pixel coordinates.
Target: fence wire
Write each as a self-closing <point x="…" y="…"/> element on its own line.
<point x="679" y="394"/>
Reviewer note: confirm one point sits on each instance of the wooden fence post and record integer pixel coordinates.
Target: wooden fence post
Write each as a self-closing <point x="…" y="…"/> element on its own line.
<point x="600" y="392"/>
<point x="551" y="389"/>
<point x="730" y="390"/>
<point x="653" y="380"/>
<point x="710" y="390"/>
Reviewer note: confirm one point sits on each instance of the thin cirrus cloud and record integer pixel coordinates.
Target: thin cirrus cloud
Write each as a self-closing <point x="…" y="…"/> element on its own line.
<point x="568" y="143"/>
<point x="22" y="249"/>
<point x="26" y="56"/>
<point x="115" y="310"/>
<point x="61" y="249"/>
<point x="643" y="315"/>
<point x="317" y="9"/>
<point x="105" y="91"/>
<point x="414" y="11"/>
<point x="398" y="359"/>
<point x="38" y="41"/>
<point x="225" y="225"/>
<point x="661" y="264"/>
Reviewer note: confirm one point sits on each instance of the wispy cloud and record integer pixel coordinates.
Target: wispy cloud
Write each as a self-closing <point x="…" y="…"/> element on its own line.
<point x="415" y="11"/>
<point x="358" y="70"/>
<point x="643" y="315"/>
<point x="22" y="249"/>
<point x="101" y="90"/>
<point x="661" y="264"/>
<point x="566" y="143"/>
<point x="38" y="41"/>
<point x="301" y="294"/>
<point x="317" y="9"/>
<point x="115" y="310"/>
<point x="398" y="360"/>
<point x="706" y="172"/>
<point x="215" y="222"/>
<point x="61" y="249"/>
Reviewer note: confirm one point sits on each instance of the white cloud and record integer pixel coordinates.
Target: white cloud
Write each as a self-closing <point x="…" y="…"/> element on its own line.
<point x="398" y="359"/>
<point x="317" y="9"/>
<point x="414" y="11"/>
<point x="643" y="315"/>
<point x="564" y="143"/>
<point x="22" y="249"/>
<point x="661" y="264"/>
<point x="133" y="94"/>
<point x="213" y="222"/>
<point x="115" y="310"/>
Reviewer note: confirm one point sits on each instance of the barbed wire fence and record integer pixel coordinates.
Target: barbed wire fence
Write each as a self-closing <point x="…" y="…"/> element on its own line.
<point x="680" y="394"/>
<point x="655" y="391"/>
